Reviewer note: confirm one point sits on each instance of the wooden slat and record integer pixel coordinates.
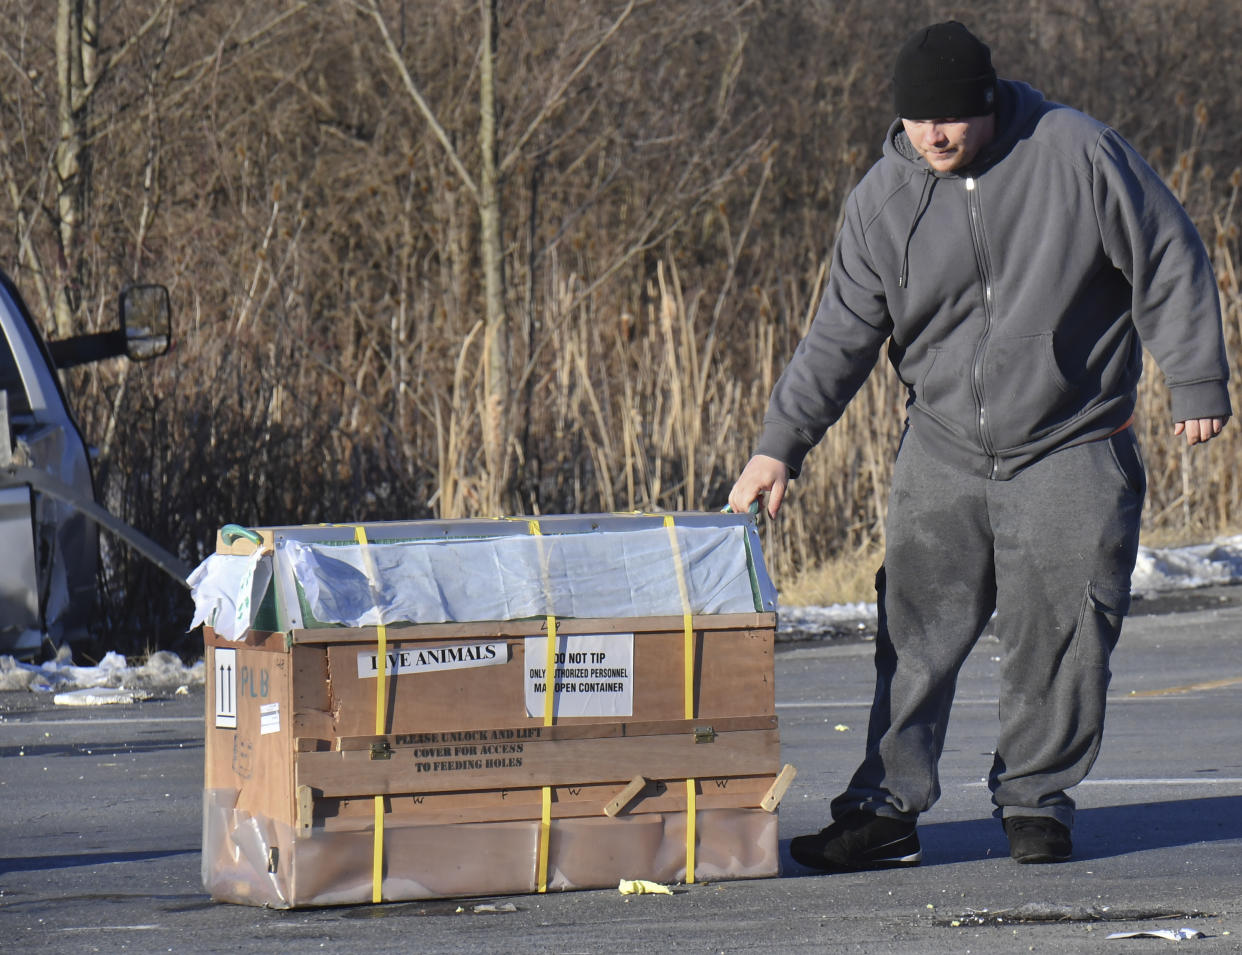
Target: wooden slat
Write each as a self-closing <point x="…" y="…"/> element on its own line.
<point x="564" y="731"/>
<point x="772" y="798"/>
<point x="625" y="796"/>
<point x="736" y="792"/>
<point x="305" y="808"/>
<point x="425" y="769"/>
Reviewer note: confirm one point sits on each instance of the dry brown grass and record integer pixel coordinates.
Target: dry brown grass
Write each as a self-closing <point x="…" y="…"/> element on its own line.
<point x="668" y="212"/>
<point x="846" y="578"/>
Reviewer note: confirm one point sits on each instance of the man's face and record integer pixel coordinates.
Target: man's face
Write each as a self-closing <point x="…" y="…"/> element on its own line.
<point x="949" y="144"/>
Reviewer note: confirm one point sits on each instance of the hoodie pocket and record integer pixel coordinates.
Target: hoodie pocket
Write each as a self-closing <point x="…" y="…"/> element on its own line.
<point x="1025" y="393"/>
<point x="944" y="389"/>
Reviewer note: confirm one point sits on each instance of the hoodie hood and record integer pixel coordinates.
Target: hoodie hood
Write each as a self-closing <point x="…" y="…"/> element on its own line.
<point x="1018" y="108"/>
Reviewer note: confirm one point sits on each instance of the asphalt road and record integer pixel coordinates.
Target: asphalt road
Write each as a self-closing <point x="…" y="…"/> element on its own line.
<point x="100" y="832"/>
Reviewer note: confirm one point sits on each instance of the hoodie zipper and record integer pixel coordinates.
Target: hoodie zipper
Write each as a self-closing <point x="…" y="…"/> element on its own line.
<point x="985" y="275"/>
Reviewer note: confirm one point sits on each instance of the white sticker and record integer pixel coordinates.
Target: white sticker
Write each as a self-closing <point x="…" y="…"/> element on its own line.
<point x="593" y="675"/>
<point x="269" y="718"/>
<point x="225" y="663"/>
<point x="429" y="659"/>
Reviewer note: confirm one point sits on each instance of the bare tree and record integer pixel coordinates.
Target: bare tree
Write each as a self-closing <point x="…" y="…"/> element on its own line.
<point x="492" y="169"/>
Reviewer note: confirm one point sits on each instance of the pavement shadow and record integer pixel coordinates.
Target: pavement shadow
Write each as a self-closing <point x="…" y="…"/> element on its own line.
<point x="38" y="863"/>
<point x="1106" y="831"/>
<point x="102" y="750"/>
<point x="1100" y="832"/>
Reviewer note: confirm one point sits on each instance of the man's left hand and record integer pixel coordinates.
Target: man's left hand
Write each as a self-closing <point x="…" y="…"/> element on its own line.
<point x="1198" y="430"/>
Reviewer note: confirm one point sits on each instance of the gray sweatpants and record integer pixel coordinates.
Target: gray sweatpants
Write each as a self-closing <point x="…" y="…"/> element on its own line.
<point x="1051" y="551"/>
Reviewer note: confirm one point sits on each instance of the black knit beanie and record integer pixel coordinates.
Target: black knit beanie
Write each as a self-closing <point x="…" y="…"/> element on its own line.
<point x="943" y="71"/>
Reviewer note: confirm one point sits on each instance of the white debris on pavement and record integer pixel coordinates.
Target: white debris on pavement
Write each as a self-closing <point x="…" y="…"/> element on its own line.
<point x="100" y="696"/>
<point x="494" y="908"/>
<point x="1169" y="934"/>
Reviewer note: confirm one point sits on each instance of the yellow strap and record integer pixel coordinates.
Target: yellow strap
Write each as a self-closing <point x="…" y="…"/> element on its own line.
<point x="688" y="684"/>
<point x="381" y="717"/>
<point x="377" y="854"/>
<point x="545" y="839"/>
<point x="691" y="819"/>
<point x="686" y="621"/>
<point x="549" y="709"/>
<point x="550" y="656"/>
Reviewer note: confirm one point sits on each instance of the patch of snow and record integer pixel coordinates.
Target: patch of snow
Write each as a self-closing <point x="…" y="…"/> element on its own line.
<point x="162" y="672"/>
<point x="816" y="623"/>
<point x="1158" y="570"/>
<point x="1185" y="568"/>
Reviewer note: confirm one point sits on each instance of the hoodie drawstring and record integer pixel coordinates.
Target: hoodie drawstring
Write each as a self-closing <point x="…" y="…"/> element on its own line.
<point x="924" y="196"/>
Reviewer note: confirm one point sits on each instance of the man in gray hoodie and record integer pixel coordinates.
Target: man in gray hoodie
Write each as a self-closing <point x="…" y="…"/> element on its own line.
<point x="1016" y="256"/>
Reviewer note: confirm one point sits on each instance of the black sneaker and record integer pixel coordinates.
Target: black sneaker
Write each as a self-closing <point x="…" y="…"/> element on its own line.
<point x="1038" y="839"/>
<point x="858" y="842"/>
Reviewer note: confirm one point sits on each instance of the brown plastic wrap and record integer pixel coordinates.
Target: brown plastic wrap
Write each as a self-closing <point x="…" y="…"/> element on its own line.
<point x="238" y="853"/>
<point x="257" y="861"/>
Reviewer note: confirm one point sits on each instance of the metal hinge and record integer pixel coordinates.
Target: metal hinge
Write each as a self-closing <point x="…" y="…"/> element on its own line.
<point x="704" y="734"/>
<point x="381" y="750"/>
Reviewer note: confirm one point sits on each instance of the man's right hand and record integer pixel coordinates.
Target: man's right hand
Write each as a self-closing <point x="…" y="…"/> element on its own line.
<point x="761" y="474"/>
<point x="1199" y="430"/>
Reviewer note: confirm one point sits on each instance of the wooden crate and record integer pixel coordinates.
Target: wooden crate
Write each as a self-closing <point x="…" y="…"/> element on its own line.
<point x="472" y="787"/>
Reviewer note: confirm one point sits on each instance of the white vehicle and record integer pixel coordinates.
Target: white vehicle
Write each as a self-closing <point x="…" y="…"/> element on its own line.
<point x="49" y="516"/>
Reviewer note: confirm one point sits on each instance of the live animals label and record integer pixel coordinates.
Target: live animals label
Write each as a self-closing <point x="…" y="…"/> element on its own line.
<point x="430" y="659"/>
<point x="593" y="675"/>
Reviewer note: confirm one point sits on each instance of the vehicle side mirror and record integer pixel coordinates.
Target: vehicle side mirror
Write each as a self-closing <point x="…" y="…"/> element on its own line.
<point x="146" y="321"/>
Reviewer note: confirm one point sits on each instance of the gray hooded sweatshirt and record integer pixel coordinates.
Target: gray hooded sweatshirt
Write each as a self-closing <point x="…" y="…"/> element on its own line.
<point x="1016" y="296"/>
